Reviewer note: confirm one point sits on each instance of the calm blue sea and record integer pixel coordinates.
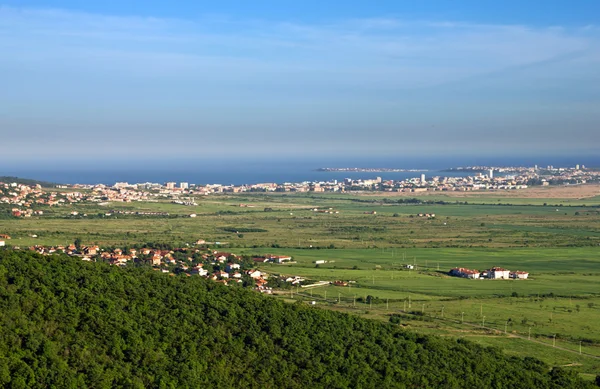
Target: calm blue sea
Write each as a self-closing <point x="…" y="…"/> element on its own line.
<point x="268" y="169"/>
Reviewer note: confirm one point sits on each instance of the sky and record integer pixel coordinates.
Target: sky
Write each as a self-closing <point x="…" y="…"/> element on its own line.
<point x="155" y="80"/>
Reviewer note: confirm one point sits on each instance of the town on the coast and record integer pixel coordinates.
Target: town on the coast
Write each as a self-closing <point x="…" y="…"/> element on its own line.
<point x="483" y="178"/>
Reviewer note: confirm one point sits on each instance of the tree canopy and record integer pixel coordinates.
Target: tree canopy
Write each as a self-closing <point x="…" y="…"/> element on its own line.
<point x="73" y="324"/>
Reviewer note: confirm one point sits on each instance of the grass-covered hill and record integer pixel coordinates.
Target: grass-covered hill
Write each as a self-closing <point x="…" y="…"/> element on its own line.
<point x="70" y="324"/>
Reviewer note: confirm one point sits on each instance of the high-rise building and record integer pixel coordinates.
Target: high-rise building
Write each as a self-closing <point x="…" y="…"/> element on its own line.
<point x="577" y="167"/>
<point x="491" y="173"/>
<point x="423" y="177"/>
<point x="170" y="185"/>
<point x="184" y="185"/>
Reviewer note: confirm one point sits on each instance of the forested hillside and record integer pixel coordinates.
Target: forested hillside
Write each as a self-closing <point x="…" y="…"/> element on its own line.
<point x="26" y="181"/>
<point x="65" y="323"/>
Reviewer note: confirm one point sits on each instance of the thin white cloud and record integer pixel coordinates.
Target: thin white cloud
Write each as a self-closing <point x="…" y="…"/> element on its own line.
<point x="199" y="73"/>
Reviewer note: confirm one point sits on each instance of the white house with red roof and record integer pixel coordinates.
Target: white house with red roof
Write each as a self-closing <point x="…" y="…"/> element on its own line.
<point x="498" y="273"/>
<point x="519" y="275"/>
<point x="465" y="273"/>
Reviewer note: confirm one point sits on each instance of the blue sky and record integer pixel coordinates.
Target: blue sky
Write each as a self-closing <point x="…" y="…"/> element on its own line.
<point x="149" y="79"/>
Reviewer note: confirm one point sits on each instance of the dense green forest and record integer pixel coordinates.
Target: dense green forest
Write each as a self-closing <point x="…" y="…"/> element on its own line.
<point x="26" y="181"/>
<point x="65" y="323"/>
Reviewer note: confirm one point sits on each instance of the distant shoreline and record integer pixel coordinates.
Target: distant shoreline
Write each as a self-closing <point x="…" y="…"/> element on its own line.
<point x="367" y="170"/>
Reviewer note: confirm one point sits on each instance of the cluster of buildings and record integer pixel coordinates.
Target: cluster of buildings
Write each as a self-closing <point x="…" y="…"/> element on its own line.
<point x="223" y="267"/>
<point x="495" y="273"/>
<point x="272" y="259"/>
<point x="482" y="178"/>
<point x="25" y="197"/>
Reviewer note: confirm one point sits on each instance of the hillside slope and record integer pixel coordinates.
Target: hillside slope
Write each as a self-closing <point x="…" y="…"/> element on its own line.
<point x="70" y="324"/>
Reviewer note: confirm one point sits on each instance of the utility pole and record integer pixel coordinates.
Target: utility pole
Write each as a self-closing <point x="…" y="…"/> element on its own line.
<point x="423" y="309"/>
<point x="387" y="304"/>
<point x="442" y="311"/>
<point x="409" y="304"/>
<point x="354" y="302"/>
<point x="529" y="335"/>
<point x="481" y="310"/>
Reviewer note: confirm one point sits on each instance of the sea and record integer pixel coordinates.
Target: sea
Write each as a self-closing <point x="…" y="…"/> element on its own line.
<point x="264" y="169"/>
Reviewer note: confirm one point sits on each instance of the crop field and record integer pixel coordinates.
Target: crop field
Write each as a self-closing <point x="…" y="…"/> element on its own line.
<point x="368" y="239"/>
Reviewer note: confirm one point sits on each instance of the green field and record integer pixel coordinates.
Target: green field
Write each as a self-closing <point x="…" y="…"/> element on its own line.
<point x="557" y="243"/>
<point x="291" y="222"/>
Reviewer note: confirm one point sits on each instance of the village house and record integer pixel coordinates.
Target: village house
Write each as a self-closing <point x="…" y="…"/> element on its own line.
<point x="465" y="273"/>
<point x="156" y="259"/>
<point x="231" y="266"/>
<point x="2" y="243"/>
<point x="498" y="273"/>
<point x="294" y="280"/>
<point x="279" y="258"/>
<point x="519" y="275"/>
<point x="254" y="273"/>
<point x="91" y="250"/>
<point x="222" y="257"/>
<point x="199" y="270"/>
<point x="261" y="286"/>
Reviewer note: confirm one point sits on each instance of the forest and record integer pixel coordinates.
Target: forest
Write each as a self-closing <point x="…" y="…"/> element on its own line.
<point x="66" y="323"/>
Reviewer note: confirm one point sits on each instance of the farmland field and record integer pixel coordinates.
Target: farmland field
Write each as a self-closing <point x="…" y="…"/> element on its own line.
<point x="368" y="239"/>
